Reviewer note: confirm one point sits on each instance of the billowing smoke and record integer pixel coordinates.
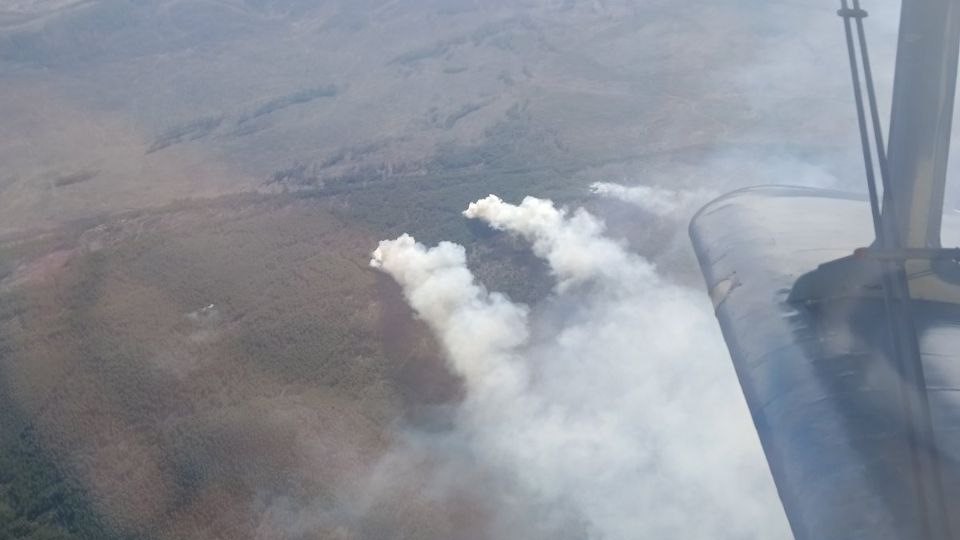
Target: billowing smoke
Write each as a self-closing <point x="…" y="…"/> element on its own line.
<point x="614" y="399"/>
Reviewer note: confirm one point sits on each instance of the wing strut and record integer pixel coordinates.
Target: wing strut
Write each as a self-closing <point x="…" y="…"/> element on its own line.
<point x="896" y="292"/>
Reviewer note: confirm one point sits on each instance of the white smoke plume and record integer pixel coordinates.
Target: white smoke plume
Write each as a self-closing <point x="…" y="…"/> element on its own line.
<point x="480" y="330"/>
<point x="616" y="396"/>
<point x="659" y="201"/>
<point x="572" y="245"/>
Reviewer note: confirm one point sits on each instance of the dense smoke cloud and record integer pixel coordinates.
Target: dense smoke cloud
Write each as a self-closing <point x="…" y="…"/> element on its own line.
<point x="615" y="397"/>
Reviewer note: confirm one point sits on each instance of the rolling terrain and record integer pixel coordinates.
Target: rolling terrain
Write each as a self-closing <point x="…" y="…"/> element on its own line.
<point x="192" y="343"/>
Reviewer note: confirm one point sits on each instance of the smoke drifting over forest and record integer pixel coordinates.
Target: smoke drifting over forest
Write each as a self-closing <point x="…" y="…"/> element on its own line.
<point x="192" y="343"/>
<point x="614" y="401"/>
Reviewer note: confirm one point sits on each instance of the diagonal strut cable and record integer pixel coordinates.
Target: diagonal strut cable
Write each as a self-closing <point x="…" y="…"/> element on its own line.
<point x="896" y="295"/>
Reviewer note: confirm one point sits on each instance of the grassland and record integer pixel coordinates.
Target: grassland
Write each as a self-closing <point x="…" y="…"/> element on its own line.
<point x="172" y="374"/>
<point x="191" y="341"/>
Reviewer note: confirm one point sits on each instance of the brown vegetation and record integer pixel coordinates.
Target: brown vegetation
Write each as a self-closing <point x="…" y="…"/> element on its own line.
<point x="182" y="364"/>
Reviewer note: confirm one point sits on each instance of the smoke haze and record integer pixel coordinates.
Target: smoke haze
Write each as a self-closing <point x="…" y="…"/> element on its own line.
<point x="656" y="200"/>
<point x="615" y="398"/>
<point x="190" y="190"/>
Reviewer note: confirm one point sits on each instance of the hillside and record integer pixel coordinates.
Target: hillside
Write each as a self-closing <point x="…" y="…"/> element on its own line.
<point x="116" y="104"/>
<point x="192" y="343"/>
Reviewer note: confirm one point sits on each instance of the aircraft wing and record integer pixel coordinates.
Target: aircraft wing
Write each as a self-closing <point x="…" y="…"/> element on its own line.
<point x="819" y="377"/>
